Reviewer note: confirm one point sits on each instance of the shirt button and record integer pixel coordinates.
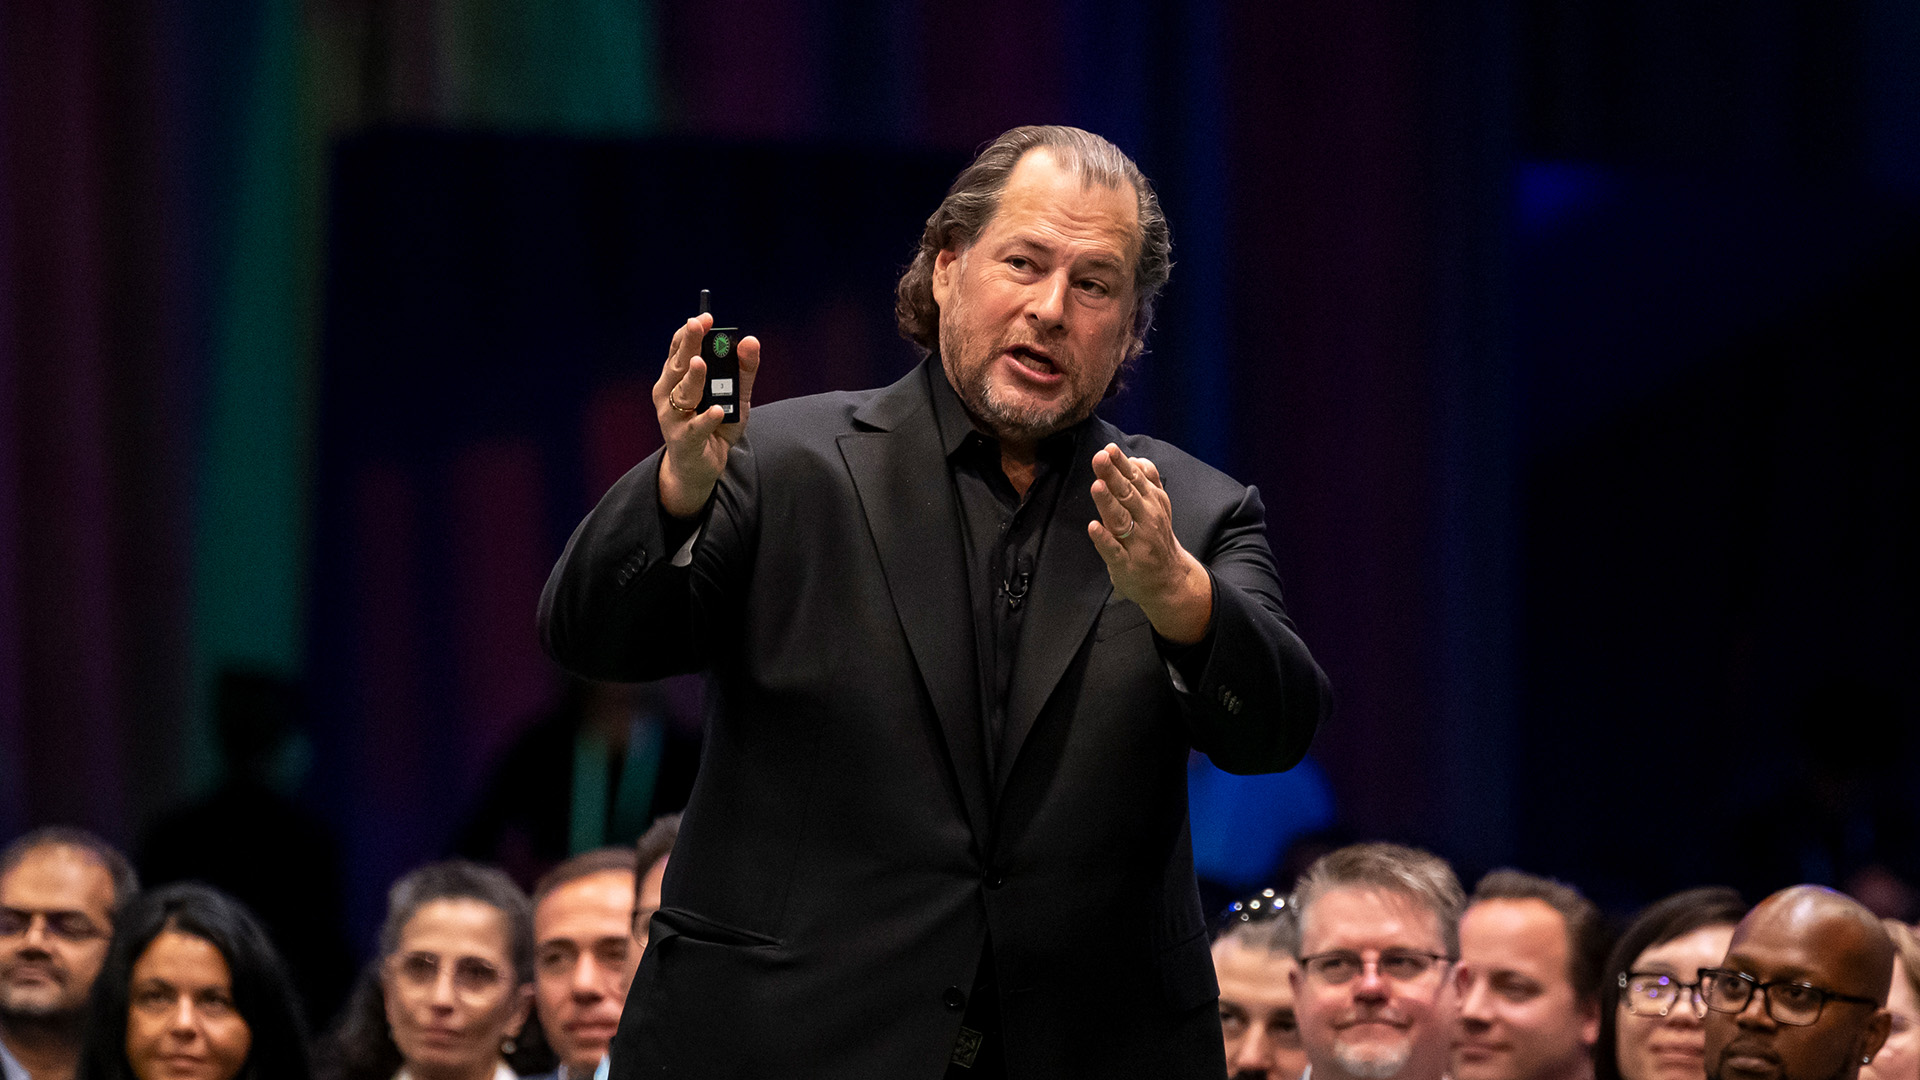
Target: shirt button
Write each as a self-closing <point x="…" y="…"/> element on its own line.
<point x="955" y="999"/>
<point x="994" y="881"/>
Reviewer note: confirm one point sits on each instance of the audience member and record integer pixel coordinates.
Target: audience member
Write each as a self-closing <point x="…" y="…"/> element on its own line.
<point x="1802" y="992"/>
<point x="650" y="856"/>
<point x="60" y="890"/>
<point x="1650" y="1006"/>
<point x="453" y="984"/>
<point x="1253" y="962"/>
<point x="192" y="989"/>
<point x="1379" y="927"/>
<point x="1899" y="1059"/>
<point x="1531" y="952"/>
<point x="584" y="955"/>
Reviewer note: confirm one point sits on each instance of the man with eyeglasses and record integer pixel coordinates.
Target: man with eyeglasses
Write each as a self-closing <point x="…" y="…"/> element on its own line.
<point x="1531" y="951"/>
<point x="1802" y="992"/>
<point x="59" y="891"/>
<point x="1379" y="928"/>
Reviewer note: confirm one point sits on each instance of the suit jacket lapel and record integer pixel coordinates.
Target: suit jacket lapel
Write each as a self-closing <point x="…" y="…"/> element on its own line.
<point x="900" y="472"/>
<point x="1070" y="587"/>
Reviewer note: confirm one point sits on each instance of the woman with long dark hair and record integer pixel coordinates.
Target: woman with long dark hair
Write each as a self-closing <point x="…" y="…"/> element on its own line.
<point x="1650" y="1004"/>
<point x="452" y="987"/>
<point x="192" y="989"/>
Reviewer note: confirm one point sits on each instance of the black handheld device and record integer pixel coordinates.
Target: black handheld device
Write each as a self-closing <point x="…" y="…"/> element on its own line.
<point x="723" y="367"/>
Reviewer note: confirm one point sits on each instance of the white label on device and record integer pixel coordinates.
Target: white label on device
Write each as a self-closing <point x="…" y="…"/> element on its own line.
<point x="722" y="386"/>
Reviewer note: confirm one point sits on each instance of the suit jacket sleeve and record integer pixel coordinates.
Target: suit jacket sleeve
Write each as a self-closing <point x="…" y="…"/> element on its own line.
<point x="620" y="606"/>
<point x="1260" y="697"/>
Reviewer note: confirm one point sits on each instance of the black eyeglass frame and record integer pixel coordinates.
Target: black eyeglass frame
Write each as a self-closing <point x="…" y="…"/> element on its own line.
<point x="1697" y="1000"/>
<point x="1821" y="995"/>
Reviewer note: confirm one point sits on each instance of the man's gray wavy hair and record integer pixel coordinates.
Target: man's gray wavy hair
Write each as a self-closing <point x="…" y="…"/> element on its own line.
<point x="975" y="197"/>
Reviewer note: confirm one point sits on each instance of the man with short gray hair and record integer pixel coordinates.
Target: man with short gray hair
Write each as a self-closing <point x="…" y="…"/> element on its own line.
<point x="962" y="636"/>
<point x="1378" y="938"/>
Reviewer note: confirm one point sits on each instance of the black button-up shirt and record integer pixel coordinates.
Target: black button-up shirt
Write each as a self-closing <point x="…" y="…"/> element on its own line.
<point x="1002" y="534"/>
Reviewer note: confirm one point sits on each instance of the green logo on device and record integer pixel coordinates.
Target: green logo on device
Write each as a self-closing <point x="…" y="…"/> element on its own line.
<point x="722" y="345"/>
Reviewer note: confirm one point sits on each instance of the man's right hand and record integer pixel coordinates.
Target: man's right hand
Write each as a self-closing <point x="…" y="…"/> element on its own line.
<point x="696" y="442"/>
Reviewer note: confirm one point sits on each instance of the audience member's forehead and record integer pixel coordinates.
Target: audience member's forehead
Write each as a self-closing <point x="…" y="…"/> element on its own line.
<point x="614" y="887"/>
<point x="81" y="868"/>
<point x="1820" y="930"/>
<point x="1408" y="913"/>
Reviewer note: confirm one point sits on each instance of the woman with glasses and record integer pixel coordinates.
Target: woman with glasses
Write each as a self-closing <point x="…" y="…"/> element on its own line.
<point x="1899" y="1059"/>
<point x="192" y="989"/>
<point x="451" y="989"/>
<point x="1650" y="1003"/>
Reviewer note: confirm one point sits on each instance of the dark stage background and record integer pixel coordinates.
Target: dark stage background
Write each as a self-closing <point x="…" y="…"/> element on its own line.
<point x="1571" y="343"/>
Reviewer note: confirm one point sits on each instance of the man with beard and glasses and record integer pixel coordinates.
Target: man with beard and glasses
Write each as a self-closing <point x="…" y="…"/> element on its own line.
<point x="1378" y="937"/>
<point x="1802" y="992"/>
<point x="60" y="889"/>
<point x="961" y="637"/>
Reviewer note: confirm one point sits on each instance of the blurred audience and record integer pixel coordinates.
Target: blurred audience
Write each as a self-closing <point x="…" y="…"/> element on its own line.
<point x="61" y="890"/>
<point x="591" y="772"/>
<point x="1253" y="962"/>
<point x="254" y="839"/>
<point x="1531" y="952"/>
<point x="1899" y="1059"/>
<point x="1379" y="927"/>
<point x="1802" y="992"/>
<point x="1650" y="1006"/>
<point x="192" y="989"/>
<point x="452" y="987"/>
<point x="651" y="852"/>
<point x="584" y="956"/>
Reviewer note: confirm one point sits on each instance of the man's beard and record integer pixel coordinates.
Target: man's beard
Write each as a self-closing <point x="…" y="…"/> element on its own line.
<point x="1373" y="1061"/>
<point x="1849" y="1065"/>
<point x="17" y="1008"/>
<point x="15" y="1013"/>
<point x="1004" y="414"/>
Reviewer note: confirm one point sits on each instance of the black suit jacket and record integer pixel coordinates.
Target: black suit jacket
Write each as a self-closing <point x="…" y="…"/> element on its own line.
<point x="845" y="856"/>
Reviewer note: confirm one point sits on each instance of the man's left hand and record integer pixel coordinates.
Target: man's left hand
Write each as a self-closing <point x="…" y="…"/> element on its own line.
<point x="1134" y="534"/>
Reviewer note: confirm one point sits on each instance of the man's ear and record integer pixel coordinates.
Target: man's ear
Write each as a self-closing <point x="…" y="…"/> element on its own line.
<point x="945" y="267"/>
<point x="1876" y="1034"/>
<point x="1589" y="1022"/>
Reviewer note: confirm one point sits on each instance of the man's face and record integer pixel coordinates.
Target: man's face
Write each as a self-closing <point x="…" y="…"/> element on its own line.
<point x="1520" y="1018"/>
<point x="56" y="912"/>
<point x="1256" y="1011"/>
<point x="584" y="960"/>
<point x="1790" y="942"/>
<point x="1373" y="1026"/>
<point x="1037" y="313"/>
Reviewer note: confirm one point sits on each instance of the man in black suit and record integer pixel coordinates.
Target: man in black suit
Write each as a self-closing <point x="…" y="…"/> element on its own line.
<point x="961" y="635"/>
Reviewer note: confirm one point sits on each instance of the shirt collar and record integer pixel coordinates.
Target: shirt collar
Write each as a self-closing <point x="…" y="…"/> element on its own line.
<point x="958" y="434"/>
<point x="10" y="1067"/>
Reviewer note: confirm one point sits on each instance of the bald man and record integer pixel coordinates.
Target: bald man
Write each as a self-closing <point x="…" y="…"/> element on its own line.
<point x="1802" y="992"/>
